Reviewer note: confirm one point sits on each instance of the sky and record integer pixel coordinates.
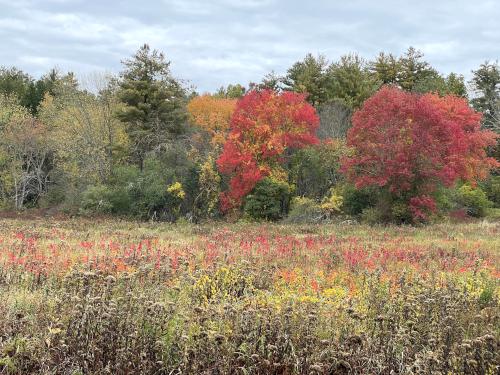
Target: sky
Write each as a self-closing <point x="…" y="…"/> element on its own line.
<point x="216" y="42"/>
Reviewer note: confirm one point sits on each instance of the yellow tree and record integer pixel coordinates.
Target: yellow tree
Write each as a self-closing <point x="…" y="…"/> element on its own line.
<point x="24" y="155"/>
<point x="86" y="137"/>
<point x="212" y="114"/>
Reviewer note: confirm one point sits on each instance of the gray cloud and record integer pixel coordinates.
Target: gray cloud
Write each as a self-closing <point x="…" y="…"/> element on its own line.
<point x="217" y="42"/>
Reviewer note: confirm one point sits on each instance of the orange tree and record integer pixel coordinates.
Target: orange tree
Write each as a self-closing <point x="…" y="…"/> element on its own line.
<point x="213" y="115"/>
<point x="264" y="127"/>
<point x="409" y="144"/>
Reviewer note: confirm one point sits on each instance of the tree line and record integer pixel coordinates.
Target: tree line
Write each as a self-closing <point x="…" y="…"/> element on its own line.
<point x="143" y="144"/>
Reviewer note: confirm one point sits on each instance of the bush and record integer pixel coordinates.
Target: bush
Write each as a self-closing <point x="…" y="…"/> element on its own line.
<point x="144" y="195"/>
<point x="332" y="203"/>
<point x="304" y="210"/>
<point x="97" y="200"/>
<point x="445" y="199"/>
<point x="372" y="216"/>
<point x="400" y="212"/>
<point x="474" y="200"/>
<point x="493" y="214"/>
<point x="492" y="189"/>
<point x="269" y="200"/>
<point x="315" y="169"/>
<point x="355" y="201"/>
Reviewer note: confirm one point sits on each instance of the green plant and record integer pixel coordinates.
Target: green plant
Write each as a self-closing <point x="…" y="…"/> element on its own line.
<point x="400" y="212"/>
<point x="332" y="202"/>
<point x="356" y="200"/>
<point x="269" y="200"/>
<point x="492" y="189"/>
<point x="372" y="216"/>
<point x="97" y="200"/>
<point x="473" y="199"/>
<point x="304" y="210"/>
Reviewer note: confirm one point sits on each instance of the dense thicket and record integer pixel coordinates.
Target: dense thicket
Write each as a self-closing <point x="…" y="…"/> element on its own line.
<point x="142" y="144"/>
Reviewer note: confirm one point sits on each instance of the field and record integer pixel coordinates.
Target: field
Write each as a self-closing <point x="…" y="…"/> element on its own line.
<point x="109" y="297"/>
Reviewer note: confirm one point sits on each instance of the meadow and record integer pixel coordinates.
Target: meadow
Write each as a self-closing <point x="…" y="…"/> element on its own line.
<point x="110" y="297"/>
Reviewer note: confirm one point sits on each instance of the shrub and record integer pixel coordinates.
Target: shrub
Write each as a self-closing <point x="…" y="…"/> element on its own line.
<point x="332" y="203"/>
<point x="97" y="200"/>
<point x="269" y="200"/>
<point x="372" y="216"/>
<point x="400" y="212"/>
<point x="474" y="200"/>
<point x="492" y="189"/>
<point x="304" y="210"/>
<point x="356" y="200"/>
<point x="315" y="169"/>
<point x="206" y="201"/>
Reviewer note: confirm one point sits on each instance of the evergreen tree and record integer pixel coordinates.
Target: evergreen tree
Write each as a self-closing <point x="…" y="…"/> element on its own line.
<point x="386" y="69"/>
<point x="153" y="103"/>
<point x="29" y="92"/>
<point x="434" y="82"/>
<point x="235" y="91"/>
<point x="350" y="80"/>
<point x="413" y="69"/>
<point x="486" y="86"/>
<point x="308" y="76"/>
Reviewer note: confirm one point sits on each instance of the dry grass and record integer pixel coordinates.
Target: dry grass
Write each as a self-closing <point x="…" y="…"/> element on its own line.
<point x="107" y="297"/>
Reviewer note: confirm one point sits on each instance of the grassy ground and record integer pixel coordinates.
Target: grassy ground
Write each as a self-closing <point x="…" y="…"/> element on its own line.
<point x="115" y="297"/>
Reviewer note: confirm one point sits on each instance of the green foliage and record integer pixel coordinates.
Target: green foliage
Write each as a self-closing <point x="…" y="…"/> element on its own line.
<point x="269" y="200"/>
<point x="473" y="199"/>
<point x="97" y="200"/>
<point x="114" y="198"/>
<point x="147" y="194"/>
<point x="445" y="199"/>
<point x="455" y="85"/>
<point x="486" y="86"/>
<point x="493" y="214"/>
<point x="385" y="69"/>
<point x="492" y="189"/>
<point x="85" y="139"/>
<point x="28" y="91"/>
<point x="400" y="212"/>
<point x="314" y="170"/>
<point x="350" y="81"/>
<point x="308" y="76"/>
<point x="356" y="200"/>
<point x="372" y="216"/>
<point x="120" y="147"/>
<point x="413" y="69"/>
<point x="434" y="82"/>
<point x="231" y="91"/>
<point x="209" y="186"/>
<point x="153" y="102"/>
<point x="304" y="210"/>
<point x="487" y="296"/>
<point x="271" y="81"/>
<point x="332" y="203"/>
<point x="412" y="73"/>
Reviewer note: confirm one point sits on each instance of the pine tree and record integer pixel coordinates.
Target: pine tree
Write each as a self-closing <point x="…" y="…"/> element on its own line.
<point x="153" y="102"/>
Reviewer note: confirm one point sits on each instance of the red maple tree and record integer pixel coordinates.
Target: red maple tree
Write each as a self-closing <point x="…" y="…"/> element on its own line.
<point x="264" y="125"/>
<point x="410" y="144"/>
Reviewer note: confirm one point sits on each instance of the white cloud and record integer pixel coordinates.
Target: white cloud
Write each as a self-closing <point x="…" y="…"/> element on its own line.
<point x="222" y="41"/>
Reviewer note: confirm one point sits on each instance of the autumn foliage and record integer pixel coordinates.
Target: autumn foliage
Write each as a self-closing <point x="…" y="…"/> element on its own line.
<point x="212" y="114"/>
<point x="410" y="144"/>
<point x="264" y="126"/>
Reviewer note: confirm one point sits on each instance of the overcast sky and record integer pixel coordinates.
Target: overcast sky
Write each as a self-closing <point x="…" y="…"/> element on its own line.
<point x="215" y="42"/>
